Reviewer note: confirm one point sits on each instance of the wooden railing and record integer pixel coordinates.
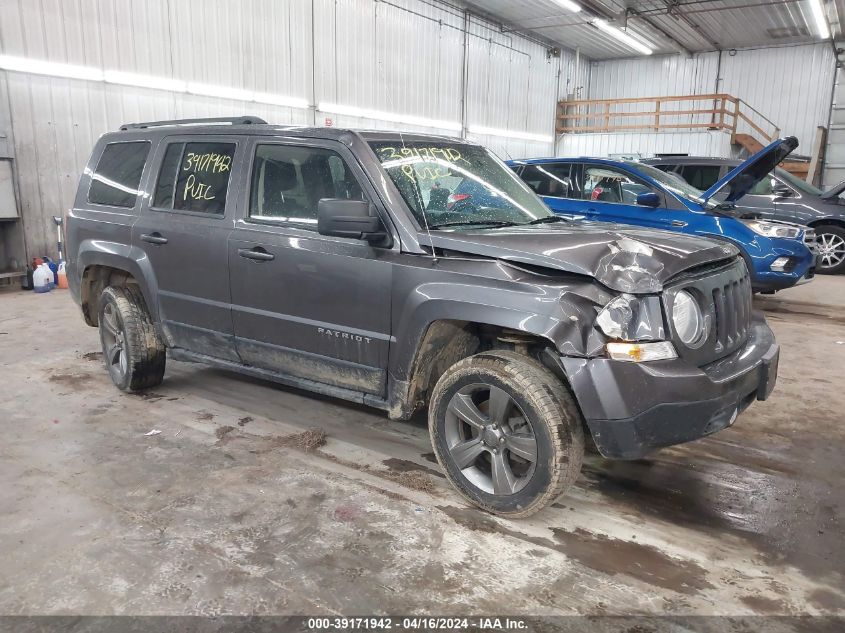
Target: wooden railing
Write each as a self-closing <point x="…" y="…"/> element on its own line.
<point x="709" y="111"/>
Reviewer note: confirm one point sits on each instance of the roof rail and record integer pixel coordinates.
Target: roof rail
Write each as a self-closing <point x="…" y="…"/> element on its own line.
<point x="233" y="120"/>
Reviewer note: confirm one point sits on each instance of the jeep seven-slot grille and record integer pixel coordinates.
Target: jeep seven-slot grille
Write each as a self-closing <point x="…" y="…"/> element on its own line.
<point x="732" y="307"/>
<point x="725" y="297"/>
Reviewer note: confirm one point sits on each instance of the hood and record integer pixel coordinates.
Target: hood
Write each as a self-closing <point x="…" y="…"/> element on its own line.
<point x="742" y="178"/>
<point x="623" y="258"/>
<point x="833" y="192"/>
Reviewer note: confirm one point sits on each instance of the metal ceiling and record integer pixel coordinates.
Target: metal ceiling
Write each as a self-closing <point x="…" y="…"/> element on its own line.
<point x="669" y="26"/>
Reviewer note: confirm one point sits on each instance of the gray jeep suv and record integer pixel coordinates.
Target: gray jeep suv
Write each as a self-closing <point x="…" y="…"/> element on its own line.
<point x="346" y="263"/>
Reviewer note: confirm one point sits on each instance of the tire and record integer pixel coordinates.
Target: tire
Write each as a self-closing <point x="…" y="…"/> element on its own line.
<point x="831" y="243"/>
<point x="472" y="450"/>
<point x="132" y="350"/>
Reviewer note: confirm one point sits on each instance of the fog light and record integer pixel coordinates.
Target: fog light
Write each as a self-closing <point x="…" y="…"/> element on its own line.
<point x="780" y="264"/>
<point x="641" y="352"/>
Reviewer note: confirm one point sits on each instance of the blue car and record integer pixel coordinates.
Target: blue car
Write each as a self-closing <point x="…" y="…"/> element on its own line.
<point x="778" y="254"/>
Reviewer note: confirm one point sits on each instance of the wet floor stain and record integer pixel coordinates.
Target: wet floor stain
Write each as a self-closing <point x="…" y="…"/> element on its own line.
<point x="724" y="487"/>
<point x="405" y="466"/>
<point x="72" y="381"/>
<point x="827" y="601"/>
<point x="601" y="553"/>
<point x="765" y="606"/>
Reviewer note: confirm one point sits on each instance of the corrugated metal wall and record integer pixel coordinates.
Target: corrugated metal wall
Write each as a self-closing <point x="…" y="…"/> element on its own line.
<point x="398" y="56"/>
<point x="645" y="145"/>
<point x="789" y="85"/>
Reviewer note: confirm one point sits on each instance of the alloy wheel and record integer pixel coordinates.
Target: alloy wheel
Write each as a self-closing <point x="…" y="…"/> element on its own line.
<point x="114" y="341"/>
<point x="490" y="439"/>
<point x="831" y="249"/>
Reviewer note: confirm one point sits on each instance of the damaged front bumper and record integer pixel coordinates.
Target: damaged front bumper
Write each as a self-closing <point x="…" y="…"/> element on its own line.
<point x="634" y="408"/>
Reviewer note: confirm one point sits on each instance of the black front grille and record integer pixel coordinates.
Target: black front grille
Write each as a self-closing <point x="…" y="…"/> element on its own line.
<point x="732" y="313"/>
<point x="725" y="298"/>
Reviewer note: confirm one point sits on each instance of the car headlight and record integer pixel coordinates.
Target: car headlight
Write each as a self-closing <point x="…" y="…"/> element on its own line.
<point x="687" y="318"/>
<point x="636" y="325"/>
<point x="616" y="317"/>
<point x="772" y="229"/>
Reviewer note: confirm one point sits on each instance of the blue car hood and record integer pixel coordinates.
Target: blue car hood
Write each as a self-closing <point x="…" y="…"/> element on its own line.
<point x="742" y="178"/>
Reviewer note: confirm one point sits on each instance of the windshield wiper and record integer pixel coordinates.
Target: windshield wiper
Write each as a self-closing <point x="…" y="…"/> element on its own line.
<point x="495" y="223"/>
<point x="549" y="219"/>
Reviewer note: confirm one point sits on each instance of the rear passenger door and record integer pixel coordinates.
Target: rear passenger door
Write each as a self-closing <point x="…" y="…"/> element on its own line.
<point x="309" y="306"/>
<point x="183" y="230"/>
<point x="557" y="185"/>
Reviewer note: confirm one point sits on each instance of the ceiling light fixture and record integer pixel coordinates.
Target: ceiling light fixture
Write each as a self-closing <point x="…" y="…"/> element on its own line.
<point x="821" y="19"/>
<point x="522" y="136"/>
<point x="568" y="5"/>
<point x="168" y="84"/>
<point x="39" y="67"/>
<point x="379" y="115"/>
<point x="622" y="36"/>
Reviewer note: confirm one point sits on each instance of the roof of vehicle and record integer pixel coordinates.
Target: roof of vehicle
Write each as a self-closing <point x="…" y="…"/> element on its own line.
<point x="566" y="159"/>
<point x="690" y="160"/>
<point x="256" y="127"/>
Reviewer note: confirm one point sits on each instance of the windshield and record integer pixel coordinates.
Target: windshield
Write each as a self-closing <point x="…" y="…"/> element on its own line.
<point x="456" y="184"/>
<point x="797" y="183"/>
<point x="670" y="181"/>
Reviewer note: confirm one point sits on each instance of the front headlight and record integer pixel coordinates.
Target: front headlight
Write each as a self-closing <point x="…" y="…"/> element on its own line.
<point x="772" y="229"/>
<point x="687" y="318"/>
<point x="636" y="325"/>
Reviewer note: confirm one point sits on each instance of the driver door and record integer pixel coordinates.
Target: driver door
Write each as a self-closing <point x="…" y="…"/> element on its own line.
<point x="609" y="194"/>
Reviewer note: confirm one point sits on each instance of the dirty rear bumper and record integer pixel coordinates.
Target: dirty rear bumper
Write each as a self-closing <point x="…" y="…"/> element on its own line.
<point x="634" y="408"/>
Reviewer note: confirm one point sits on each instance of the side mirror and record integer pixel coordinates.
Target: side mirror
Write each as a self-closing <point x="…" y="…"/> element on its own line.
<point x="780" y="190"/>
<point x="338" y="217"/>
<point x="648" y="199"/>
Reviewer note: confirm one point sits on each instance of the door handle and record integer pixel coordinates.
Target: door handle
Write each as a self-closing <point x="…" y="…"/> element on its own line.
<point x="257" y="253"/>
<point x="679" y="223"/>
<point x="154" y="238"/>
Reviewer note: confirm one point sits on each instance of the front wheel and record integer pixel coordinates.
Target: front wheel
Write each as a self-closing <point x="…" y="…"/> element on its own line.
<point x="506" y="432"/>
<point x="132" y="350"/>
<point x="830" y="239"/>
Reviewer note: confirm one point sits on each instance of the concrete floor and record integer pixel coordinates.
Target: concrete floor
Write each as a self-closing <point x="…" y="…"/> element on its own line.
<point x="217" y="514"/>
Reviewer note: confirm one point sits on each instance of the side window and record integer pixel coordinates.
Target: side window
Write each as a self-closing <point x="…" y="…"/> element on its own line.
<point x="195" y="177"/>
<point x="607" y="184"/>
<point x="117" y="177"/>
<point x="701" y="176"/>
<point x="550" y="180"/>
<point x="763" y="188"/>
<point x="288" y="181"/>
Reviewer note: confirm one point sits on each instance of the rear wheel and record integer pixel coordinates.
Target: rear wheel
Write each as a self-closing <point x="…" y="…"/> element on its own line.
<point x="132" y="350"/>
<point x="831" y="244"/>
<point x="507" y="432"/>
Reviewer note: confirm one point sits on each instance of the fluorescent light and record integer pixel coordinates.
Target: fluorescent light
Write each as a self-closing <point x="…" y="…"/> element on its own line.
<point x="379" y="115"/>
<point x="821" y="19"/>
<point x="524" y="136"/>
<point x="223" y="92"/>
<point x="568" y="5"/>
<point x="279" y="100"/>
<point x="168" y="84"/>
<point x="623" y="37"/>
<point x="38" y="67"/>
<point x="144" y="81"/>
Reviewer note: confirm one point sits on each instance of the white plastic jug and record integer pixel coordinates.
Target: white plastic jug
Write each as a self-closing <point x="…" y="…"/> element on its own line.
<point x="42" y="278"/>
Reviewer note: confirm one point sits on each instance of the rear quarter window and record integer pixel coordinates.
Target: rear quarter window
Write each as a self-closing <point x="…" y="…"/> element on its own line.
<point x="116" y="179"/>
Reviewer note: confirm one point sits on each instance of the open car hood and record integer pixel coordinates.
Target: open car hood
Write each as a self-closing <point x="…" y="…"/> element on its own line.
<point x="622" y="258"/>
<point x="742" y="178"/>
